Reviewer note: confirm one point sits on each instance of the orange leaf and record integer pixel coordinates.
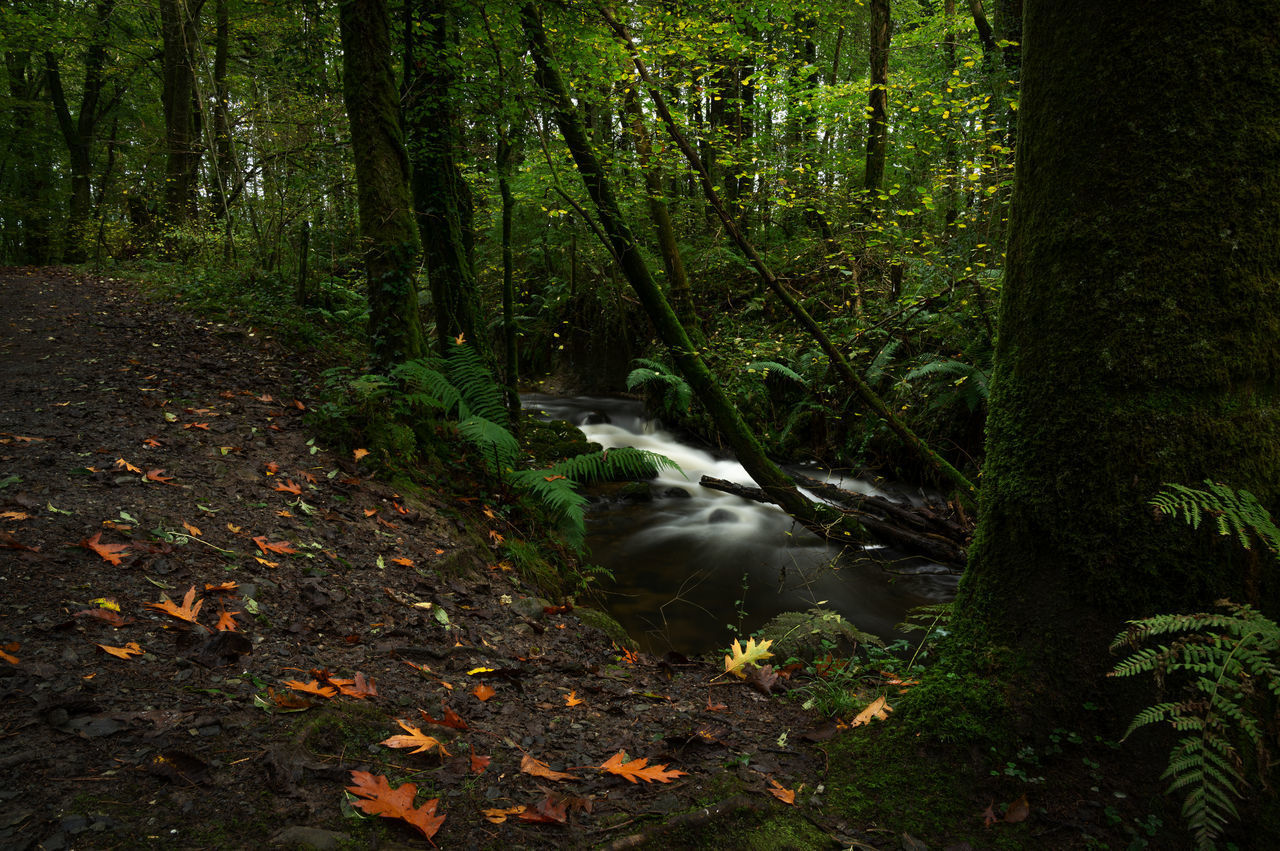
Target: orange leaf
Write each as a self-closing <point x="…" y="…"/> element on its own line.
<point x="460" y="339"/>
<point x="281" y="547"/>
<point x="499" y="815"/>
<point x="451" y="719"/>
<point x="308" y="477"/>
<point x="989" y="815"/>
<point x="192" y="529"/>
<point x="636" y="769"/>
<point x="227" y="622"/>
<point x="554" y="478"/>
<point x="358" y="687"/>
<point x="113" y="618"/>
<point x="159" y="476"/>
<point x="547" y="811"/>
<point x="299" y="405"/>
<point x="201" y="426"/>
<point x="369" y="512"/>
<point x="265" y="397"/>
<point x="228" y="587"/>
<point x="783" y="794"/>
<point x="714" y="707"/>
<point x="151" y="443"/>
<point x="538" y="768"/>
<point x="312" y="687"/>
<point x="416" y="739"/>
<point x="483" y="692"/>
<point x="878" y="709"/>
<point x="379" y="799"/>
<point x="1018" y="810"/>
<point x="234" y="529"/>
<point x="360" y="453"/>
<point x="290" y="487"/>
<point x="403" y="562"/>
<point x="267" y="563"/>
<point x="7" y="656"/>
<point x="480" y="763"/>
<point x="125" y="465"/>
<point x="15" y="515"/>
<point x="572" y="699"/>
<point x="496" y="537"/>
<point x="110" y="552"/>
<point x="187" y="611"/>
<point x="130" y="649"/>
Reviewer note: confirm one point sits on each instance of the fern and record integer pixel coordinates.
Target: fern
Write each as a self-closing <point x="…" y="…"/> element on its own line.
<point x="675" y="393"/>
<point x="881" y="361"/>
<point x="809" y="634"/>
<point x="1229" y="661"/>
<point x="1235" y="512"/>
<point x="968" y="383"/>
<point x="766" y="369"/>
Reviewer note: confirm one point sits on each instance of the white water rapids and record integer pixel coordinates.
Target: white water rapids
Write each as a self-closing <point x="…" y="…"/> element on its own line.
<point x="696" y="567"/>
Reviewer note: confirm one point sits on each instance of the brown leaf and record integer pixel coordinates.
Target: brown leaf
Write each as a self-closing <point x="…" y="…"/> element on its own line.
<point x="878" y="709"/>
<point x="110" y="552"/>
<point x="714" y="707"/>
<point x="201" y="426"/>
<point x="358" y="687"/>
<point x="1018" y="810"/>
<point x="762" y="679"/>
<point x="281" y="547"/>
<point x="159" y="476"/>
<point x="289" y="487"/>
<point x="125" y="465"/>
<point x="451" y="719"/>
<point x="418" y="740"/>
<point x="113" y="618"/>
<point x="227" y="622"/>
<point x="639" y="769"/>
<point x="499" y="815"/>
<point x="130" y="649"/>
<point x="480" y="763"/>
<point x="989" y="816"/>
<point x="6" y="653"/>
<point x="192" y="529"/>
<point x="546" y="811"/>
<point x="783" y="794"/>
<point x="187" y="611"/>
<point x="538" y="768"/>
<point x="377" y="798"/>
<point x="483" y="692"/>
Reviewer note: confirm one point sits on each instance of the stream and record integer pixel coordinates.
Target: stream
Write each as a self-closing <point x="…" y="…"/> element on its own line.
<point x="695" y="567"/>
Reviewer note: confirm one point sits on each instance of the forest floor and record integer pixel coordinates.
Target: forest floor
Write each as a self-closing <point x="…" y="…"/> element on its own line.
<point x="149" y="456"/>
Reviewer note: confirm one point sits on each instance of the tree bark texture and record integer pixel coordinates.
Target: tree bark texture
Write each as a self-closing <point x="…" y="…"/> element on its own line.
<point x="878" y="98"/>
<point x="1139" y="337"/>
<point x="382" y="177"/>
<point x="179" y="30"/>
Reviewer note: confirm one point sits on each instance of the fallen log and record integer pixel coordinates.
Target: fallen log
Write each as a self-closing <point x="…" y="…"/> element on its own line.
<point x="919" y="530"/>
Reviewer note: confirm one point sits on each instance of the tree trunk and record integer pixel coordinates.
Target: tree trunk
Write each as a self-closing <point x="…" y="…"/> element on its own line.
<point x="179" y="30"/>
<point x="382" y="178"/>
<point x="1138" y="338"/>
<point x="878" y="100"/>
<point x="29" y="209"/>
<point x="773" y="481"/>
<point x="222" y="161"/>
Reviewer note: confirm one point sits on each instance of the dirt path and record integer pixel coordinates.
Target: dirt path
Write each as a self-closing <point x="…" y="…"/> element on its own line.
<point x="178" y="448"/>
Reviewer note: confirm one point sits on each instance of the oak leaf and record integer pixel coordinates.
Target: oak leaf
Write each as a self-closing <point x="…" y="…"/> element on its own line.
<point x="152" y="443"/>
<point x="483" y="692"/>
<point x="403" y="562"/>
<point x="188" y="611"/>
<point x="498" y="815"/>
<point x="113" y="618"/>
<point x="783" y="794"/>
<point x="289" y="487"/>
<point x="125" y="465"/>
<point x="451" y="719"/>
<point x="751" y="654"/>
<point x="201" y="426"/>
<point x="418" y="740"/>
<point x="312" y="687"/>
<point x="360" y="453"/>
<point x="159" y="476"/>
<point x="359" y="686"/>
<point x="377" y="798"/>
<point x="130" y="649"/>
<point x="878" y="709"/>
<point x="572" y="699"/>
<point x="195" y="531"/>
<point x="110" y="552"/>
<point x="280" y="547"/>
<point x="639" y="769"/>
<point x="227" y="622"/>
<point x="547" y="811"/>
<point x="538" y="768"/>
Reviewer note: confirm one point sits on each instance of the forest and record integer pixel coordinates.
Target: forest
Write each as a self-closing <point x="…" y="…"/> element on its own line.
<point x="977" y="302"/>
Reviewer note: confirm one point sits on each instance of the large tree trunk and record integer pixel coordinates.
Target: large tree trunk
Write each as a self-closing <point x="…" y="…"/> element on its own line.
<point x="382" y="178"/>
<point x="878" y="99"/>
<point x="179" y="30"/>
<point x="27" y="222"/>
<point x="1139" y="339"/>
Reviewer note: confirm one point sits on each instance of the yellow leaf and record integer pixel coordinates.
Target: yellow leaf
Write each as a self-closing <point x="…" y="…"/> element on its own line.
<point x="878" y="709"/>
<point x="267" y="563"/>
<point x="742" y="656"/>
<point x="498" y="816"/>
<point x="125" y="465"/>
<point x="130" y="649"/>
<point x="233" y="529"/>
<point x="192" y="529"/>
<point x="360" y="453"/>
<point x="418" y="740"/>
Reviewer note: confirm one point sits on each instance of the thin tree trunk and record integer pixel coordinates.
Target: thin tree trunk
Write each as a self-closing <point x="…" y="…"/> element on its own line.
<point x="878" y="100"/>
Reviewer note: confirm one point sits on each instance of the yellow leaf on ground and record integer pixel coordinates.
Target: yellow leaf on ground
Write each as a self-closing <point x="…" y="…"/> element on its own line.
<point x="538" y="768"/>
<point x="130" y="649"/>
<point x="192" y="529"/>
<point x="751" y="654"/>
<point x="878" y="709"/>
<point x="572" y="699"/>
<point x="267" y="563"/>
<point x="418" y="740"/>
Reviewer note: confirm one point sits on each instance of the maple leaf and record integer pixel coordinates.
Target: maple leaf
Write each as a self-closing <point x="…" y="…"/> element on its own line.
<point x="483" y="692"/>
<point x="572" y="699"/>
<point x="479" y="763"/>
<point x="289" y="487"/>
<point x="377" y="798"/>
<point x="152" y="443"/>
<point x="192" y="529"/>
<point x="783" y="794"/>
<point x="751" y="654"/>
<point x="359" y="686"/>
<point x="496" y="537"/>
<point x="538" y="768"/>
<point x="418" y="740"/>
<point x="878" y="709"/>
<point x="227" y="622"/>
<point x="281" y="547"/>
<point x="109" y="552"/>
<point x="125" y="465"/>
<point x="458" y="340"/>
<point x="130" y="649"/>
<point x="639" y="769"/>
<point x="159" y="476"/>
<point x="312" y="687"/>
<point x="360" y="453"/>
<point x="187" y="611"/>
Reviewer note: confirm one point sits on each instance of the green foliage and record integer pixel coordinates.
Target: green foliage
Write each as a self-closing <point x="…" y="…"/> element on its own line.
<point x="672" y="391"/>
<point x="1228" y="665"/>
<point x="963" y="382"/>
<point x="806" y="635"/>
<point x="767" y="369"/>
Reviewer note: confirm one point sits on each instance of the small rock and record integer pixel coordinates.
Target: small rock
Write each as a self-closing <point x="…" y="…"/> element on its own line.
<point x="301" y="838"/>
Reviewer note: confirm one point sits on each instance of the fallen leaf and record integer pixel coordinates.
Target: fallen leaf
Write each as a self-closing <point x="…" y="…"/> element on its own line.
<point x="554" y="478"/>
<point x="377" y="798"/>
<point x="8" y="656"/>
<point x="1018" y="810"/>
<point x="483" y="692"/>
<point x="742" y="656"/>
<point x="495" y="537"/>
<point x="159" y="476"/>
<point x="989" y="816"/>
<point x="878" y="710"/>
<point x="572" y="699"/>
<point x="403" y="562"/>
<point x="227" y="622"/>
<point x="201" y="426"/>
<point x="358" y="687"/>
<point x="299" y="405"/>
<point x="192" y="529"/>
<point x="281" y="547"/>
<point x="234" y="529"/>
<point x="113" y="618"/>
<point x="15" y="515"/>
<point x="418" y="740"/>
<point x="546" y="811"/>
<point x="538" y="768"/>
<point x="639" y="769"/>
<point x="360" y="453"/>
<point x="499" y="815"/>
<point x="714" y="707"/>
<point x="130" y="649"/>
<point x="267" y="563"/>
<point x="312" y="687"/>
<point x="289" y="487"/>
<point x="152" y="443"/>
<point x="763" y="678"/>
<point x="125" y="465"/>
<point x="451" y="719"/>
<point x="188" y="611"/>
<point x="228" y="587"/>
<point x="783" y="794"/>
<point x="480" y="763"/>
<point x="110" y="552"/>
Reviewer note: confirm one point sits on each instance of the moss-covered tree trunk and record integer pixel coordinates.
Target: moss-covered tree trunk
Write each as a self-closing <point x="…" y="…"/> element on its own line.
<point x="878" y="99"/>
<point x="1139" y="338"/>
<point x="382" y="177"/>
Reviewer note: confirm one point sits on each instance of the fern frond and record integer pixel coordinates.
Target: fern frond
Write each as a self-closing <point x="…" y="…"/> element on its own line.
<point x="621" y="463"/>
<point x="767" y="369"/>
<point x="498" y="445"/>
<point x="881" y="361"/>
<point x="468" y="372"/>
<point x="1234" y="511"/>
<point x="677" y="395"/>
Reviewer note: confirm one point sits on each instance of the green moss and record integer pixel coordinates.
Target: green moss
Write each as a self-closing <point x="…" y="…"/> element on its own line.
<point x="606" y="624"/>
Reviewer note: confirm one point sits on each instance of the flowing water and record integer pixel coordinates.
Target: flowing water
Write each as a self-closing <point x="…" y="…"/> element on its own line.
<point x="695" y="567"/>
